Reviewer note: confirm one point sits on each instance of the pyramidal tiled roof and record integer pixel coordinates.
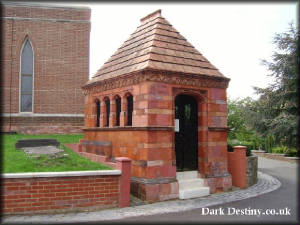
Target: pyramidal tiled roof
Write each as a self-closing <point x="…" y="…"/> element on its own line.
<point x="156" y="45"/>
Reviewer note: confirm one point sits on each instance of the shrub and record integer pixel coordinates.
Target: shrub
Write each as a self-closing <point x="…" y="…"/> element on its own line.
<point x="269" y="143"/>
<point x="292" y="152"/>
<point x="279" y="149"/>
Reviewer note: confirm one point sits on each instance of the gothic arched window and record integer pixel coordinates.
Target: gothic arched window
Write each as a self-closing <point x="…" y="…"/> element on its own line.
<point x="26" y="92"/>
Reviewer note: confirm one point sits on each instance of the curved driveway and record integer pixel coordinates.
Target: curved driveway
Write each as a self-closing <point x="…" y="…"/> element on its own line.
<point x="285" y="197"/>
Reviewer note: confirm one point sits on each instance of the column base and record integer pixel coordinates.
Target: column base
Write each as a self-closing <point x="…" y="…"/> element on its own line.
<point x="154" y="190"/>
<point x="220" y="183"/>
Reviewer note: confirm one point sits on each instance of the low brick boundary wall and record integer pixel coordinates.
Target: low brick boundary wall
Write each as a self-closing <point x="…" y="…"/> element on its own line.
<point x="276" y="156"/>
<point x="122" y="163"/>
<point x="50" y="192"/>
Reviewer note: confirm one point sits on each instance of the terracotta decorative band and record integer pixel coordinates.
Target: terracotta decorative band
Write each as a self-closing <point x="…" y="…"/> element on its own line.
<point x="155" y="76"/>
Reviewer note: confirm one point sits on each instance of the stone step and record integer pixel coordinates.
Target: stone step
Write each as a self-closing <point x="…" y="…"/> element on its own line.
<point x="193" y="192"/>
<point x="187" y="175"/>
<point x="190" y="183"/>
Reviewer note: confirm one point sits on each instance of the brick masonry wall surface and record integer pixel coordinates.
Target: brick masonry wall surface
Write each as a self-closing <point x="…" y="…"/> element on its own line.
<point x="61" y="57"/>
<point x="44" y="125"/>
<point x="153" y="151"/>
<point x="154" y="106"/>
<point x="59" y="194"/>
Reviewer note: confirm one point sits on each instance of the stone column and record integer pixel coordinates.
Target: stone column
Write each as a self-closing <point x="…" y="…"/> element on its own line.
<point x="112" y="114"/>
<point x="102" y="114"/>
<point x="123" y="114"/>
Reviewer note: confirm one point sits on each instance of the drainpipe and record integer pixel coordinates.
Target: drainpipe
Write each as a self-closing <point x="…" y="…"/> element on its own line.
<point x="11" y="74"/>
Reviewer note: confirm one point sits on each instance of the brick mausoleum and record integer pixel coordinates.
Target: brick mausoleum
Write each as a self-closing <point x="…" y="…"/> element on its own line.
<point x="44" y="63"/>
<point x="161" y="103"/>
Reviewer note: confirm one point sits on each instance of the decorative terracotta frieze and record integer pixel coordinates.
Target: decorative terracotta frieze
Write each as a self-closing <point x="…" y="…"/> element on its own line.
<point x="156" y="76"/>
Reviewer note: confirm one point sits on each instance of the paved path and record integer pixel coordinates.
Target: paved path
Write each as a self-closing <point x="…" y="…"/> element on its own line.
<point x="265" y="184"/>
<point x="285" y="197"/>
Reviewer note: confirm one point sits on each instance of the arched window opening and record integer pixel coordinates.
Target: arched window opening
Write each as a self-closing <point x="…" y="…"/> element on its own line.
<point x="107" y="106"/>
<point x="97" y="113"/>
<point x="129" y="110"/>
<point x="118" y="110"/>
<point x="26" y="92"/>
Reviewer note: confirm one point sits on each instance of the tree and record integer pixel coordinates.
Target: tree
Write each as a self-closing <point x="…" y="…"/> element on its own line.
<point x="237" y="118"/>
<point x="276" y="112"/>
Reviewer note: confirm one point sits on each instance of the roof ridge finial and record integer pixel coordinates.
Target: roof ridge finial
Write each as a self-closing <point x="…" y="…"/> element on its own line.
<point x="156" y="13"/>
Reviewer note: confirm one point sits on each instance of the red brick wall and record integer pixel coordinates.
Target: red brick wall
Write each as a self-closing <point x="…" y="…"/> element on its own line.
<point x="59" y="194"/>
<point x="60" y="41"/>
<point x="44" y="125"/>
<point x="150" y="151"/>
<point x="153" y="151"/>
<point x="154" y="106"/>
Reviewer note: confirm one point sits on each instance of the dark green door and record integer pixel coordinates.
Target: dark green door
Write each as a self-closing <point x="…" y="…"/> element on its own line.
<point x="186" y="139"/>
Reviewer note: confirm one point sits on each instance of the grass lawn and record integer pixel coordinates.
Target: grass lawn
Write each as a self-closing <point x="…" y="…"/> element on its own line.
<point x="16" y="161"/>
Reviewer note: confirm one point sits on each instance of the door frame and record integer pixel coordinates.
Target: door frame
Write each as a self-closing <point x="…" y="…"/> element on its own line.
<point x="200" y="96"/>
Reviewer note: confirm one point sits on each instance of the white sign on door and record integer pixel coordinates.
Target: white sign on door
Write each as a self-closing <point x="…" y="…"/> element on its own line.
<point x="176" y="125"/>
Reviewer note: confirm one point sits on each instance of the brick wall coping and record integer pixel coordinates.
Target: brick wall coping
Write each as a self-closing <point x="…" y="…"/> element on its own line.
<point x="62" y="174"/>
<point x="170" y="128"/>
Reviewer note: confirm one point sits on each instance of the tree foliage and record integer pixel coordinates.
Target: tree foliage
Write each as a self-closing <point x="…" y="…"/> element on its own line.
<point x="273" y="119"/>
<point x="236" y="115"/>
<point x="276" y="112"/>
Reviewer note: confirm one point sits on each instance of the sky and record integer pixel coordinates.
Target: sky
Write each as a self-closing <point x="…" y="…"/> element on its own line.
<point x="234" y="37"/>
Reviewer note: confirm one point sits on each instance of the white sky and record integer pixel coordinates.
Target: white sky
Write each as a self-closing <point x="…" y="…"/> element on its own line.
<point x="234" y="37"/>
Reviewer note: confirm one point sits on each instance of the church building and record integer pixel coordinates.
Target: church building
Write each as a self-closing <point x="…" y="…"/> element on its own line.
<point x="44" y="63"/>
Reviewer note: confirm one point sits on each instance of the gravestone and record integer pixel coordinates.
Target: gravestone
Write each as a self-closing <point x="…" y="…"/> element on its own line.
<point x="38" y="147"/>
<point x="36" y="143"/>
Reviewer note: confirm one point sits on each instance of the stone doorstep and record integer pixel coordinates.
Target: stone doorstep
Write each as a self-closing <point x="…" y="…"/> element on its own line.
<point x="190" y="186"/>
<point x="193" y="192"/>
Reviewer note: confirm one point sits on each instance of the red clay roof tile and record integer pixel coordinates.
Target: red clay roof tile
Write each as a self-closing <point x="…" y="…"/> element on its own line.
<point x="156" y="45"/>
